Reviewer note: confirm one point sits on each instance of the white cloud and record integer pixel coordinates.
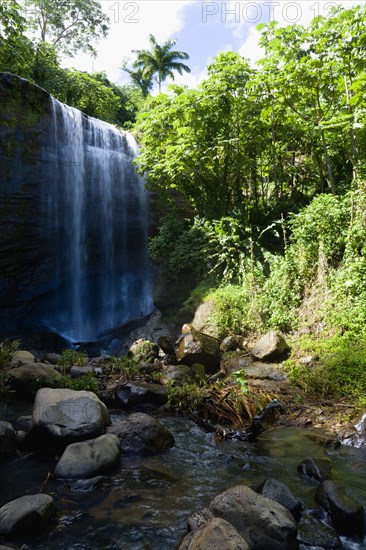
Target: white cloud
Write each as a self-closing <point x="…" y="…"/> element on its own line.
<point x="131" y="24"/>
<point x="250" y="48"/>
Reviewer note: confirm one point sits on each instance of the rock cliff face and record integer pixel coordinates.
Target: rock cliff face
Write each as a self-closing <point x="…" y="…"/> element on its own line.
<point x="73" y="229"/>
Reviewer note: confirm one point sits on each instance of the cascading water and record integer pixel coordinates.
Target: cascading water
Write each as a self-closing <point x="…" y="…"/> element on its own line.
<point x="97" y="222"/>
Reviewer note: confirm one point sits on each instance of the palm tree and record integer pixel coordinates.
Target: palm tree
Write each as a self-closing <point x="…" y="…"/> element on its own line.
<point x="160" y="61"/>
<point x="138" y="78"/>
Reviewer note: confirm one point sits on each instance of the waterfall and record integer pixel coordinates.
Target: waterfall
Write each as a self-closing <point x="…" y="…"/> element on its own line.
<point x="96" y="226"/>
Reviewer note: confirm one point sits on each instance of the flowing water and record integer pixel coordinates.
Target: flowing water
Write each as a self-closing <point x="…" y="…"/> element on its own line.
<point x="145" y="502"/>
<point x="96" y="223"/>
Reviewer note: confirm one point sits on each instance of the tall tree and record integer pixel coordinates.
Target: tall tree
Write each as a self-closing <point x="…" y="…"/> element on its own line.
<point x="161" y="61"/>
<point x="70" y="25"/>
<point x="139" y="79"/>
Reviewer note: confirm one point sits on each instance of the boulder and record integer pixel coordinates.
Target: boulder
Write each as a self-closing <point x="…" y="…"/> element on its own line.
<point x="271" y="346"/>
<point x="53" y="358"/>
<point x="346" y="513"/>
<point x="143" y="350"/>
<point x="309" y="468"/>
<point x="199" y="518"/>
<point x="203" y="319"/>
<point x="142" y="434"/>
<point x="77" y="372"/>
<point x="138" y="393"/>
<point x="196" y="347"/>
<point x="89" y="458"/>
<point x="166" y="344"/>
<point x="217" y="534"/>
<point x="26" y="514"/>
<point x="7" y="440"/>
<point x="355" y="435"/>
<point x="230" y="343"/>
<point x="22" y="357"/>
<point x="63" y="416"/>
<point x="262" y="522"/>
<point x="314" y="532"/>
<point x="27" y="379"/>
<point x="279" y="492"/>
<point x="178" y="374"/>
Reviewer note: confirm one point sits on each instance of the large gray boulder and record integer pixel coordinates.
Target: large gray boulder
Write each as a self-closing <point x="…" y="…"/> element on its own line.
<point x="263" y="523"/>
<point x="22" y="357"/>
<point x="26" y="514"/>
<point x="217" y="534"/>
<point x="346" y="513"/>
<point x="279" y="492"/>
<point x="141" y="433"/>
<point x="27" y="379"/>
<point x="196" y="347"/>
<point x="138" y="393"/>
<point x="271" y="346"/>
<point x="89" y="458"/>
<point x="63" y="416"/>
<point x="7" y="440"/>
<point x="314" y="532"/>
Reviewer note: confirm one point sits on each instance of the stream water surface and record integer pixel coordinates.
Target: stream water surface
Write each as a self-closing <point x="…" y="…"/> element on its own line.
<point x="144" y="504"/>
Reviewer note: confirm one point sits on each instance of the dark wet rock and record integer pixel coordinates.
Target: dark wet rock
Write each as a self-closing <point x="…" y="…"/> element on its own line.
<point x="140" y="433"/>
<point x="178" y="373"/>
<point x="197" y="519"/>
<point x="7" y="440"/>
<point x="230" y="343"/>
<point x="196" y="347"/>
<point x="263" y="523"/>
<point x="166" y="344"/>
<point x="310" y="468"/>
<point x="261" y="371"/>
<point x="53" y="358"/>
<point x="63" y="416"/>
<point x="217" y="534"/>
<point x="88" y="458"/>
<point x="22" y="357"/>
<point x="26" y="514"/>
<point x="27" y="379"/>
<point x="313" y="532"/>
<point x="143" y="350"/>
<point x="77" y="372"/>
<point x="271" y="346"/>
<point x="346" y="513"/>
<point x="88" y="485"/>
<point x="137" y="393"/>
<point x="279" y="492"/>
<point x="24" y="423"/>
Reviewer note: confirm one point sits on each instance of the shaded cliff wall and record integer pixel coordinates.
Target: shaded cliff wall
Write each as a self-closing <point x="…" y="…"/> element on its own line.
<point x="73" y="231"/>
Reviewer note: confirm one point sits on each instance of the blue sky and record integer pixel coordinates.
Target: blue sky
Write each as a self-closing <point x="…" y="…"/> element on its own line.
<point x="202" y="29"/>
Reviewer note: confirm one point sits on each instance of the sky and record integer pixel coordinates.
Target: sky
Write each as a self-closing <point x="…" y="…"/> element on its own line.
<point x="201" y="28"/>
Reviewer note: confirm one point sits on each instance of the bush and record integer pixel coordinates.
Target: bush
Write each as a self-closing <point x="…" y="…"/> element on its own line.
<point x="340" y="369"/>
<point x="7" y="350"/>
<point x="86" y="383"/>
<point x="178" y="248"/>
<point x="73" y="358"/>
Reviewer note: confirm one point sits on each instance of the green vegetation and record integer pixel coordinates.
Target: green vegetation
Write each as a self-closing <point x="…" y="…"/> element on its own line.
<point x="71" y="358"/>
<point x="7" y="350"/>
<point x="273" y="162"/>
<point x="64" y="27"/>
<point x="229" y="402"/>
<point x="161" y="61"/>
<point x="85" y="383"/>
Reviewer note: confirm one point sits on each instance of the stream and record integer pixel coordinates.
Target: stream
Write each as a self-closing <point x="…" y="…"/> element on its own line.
<point x="145" y="503"/>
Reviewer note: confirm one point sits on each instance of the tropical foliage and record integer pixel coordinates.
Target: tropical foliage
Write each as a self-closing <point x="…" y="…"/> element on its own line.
<point x="160" y="62"/>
